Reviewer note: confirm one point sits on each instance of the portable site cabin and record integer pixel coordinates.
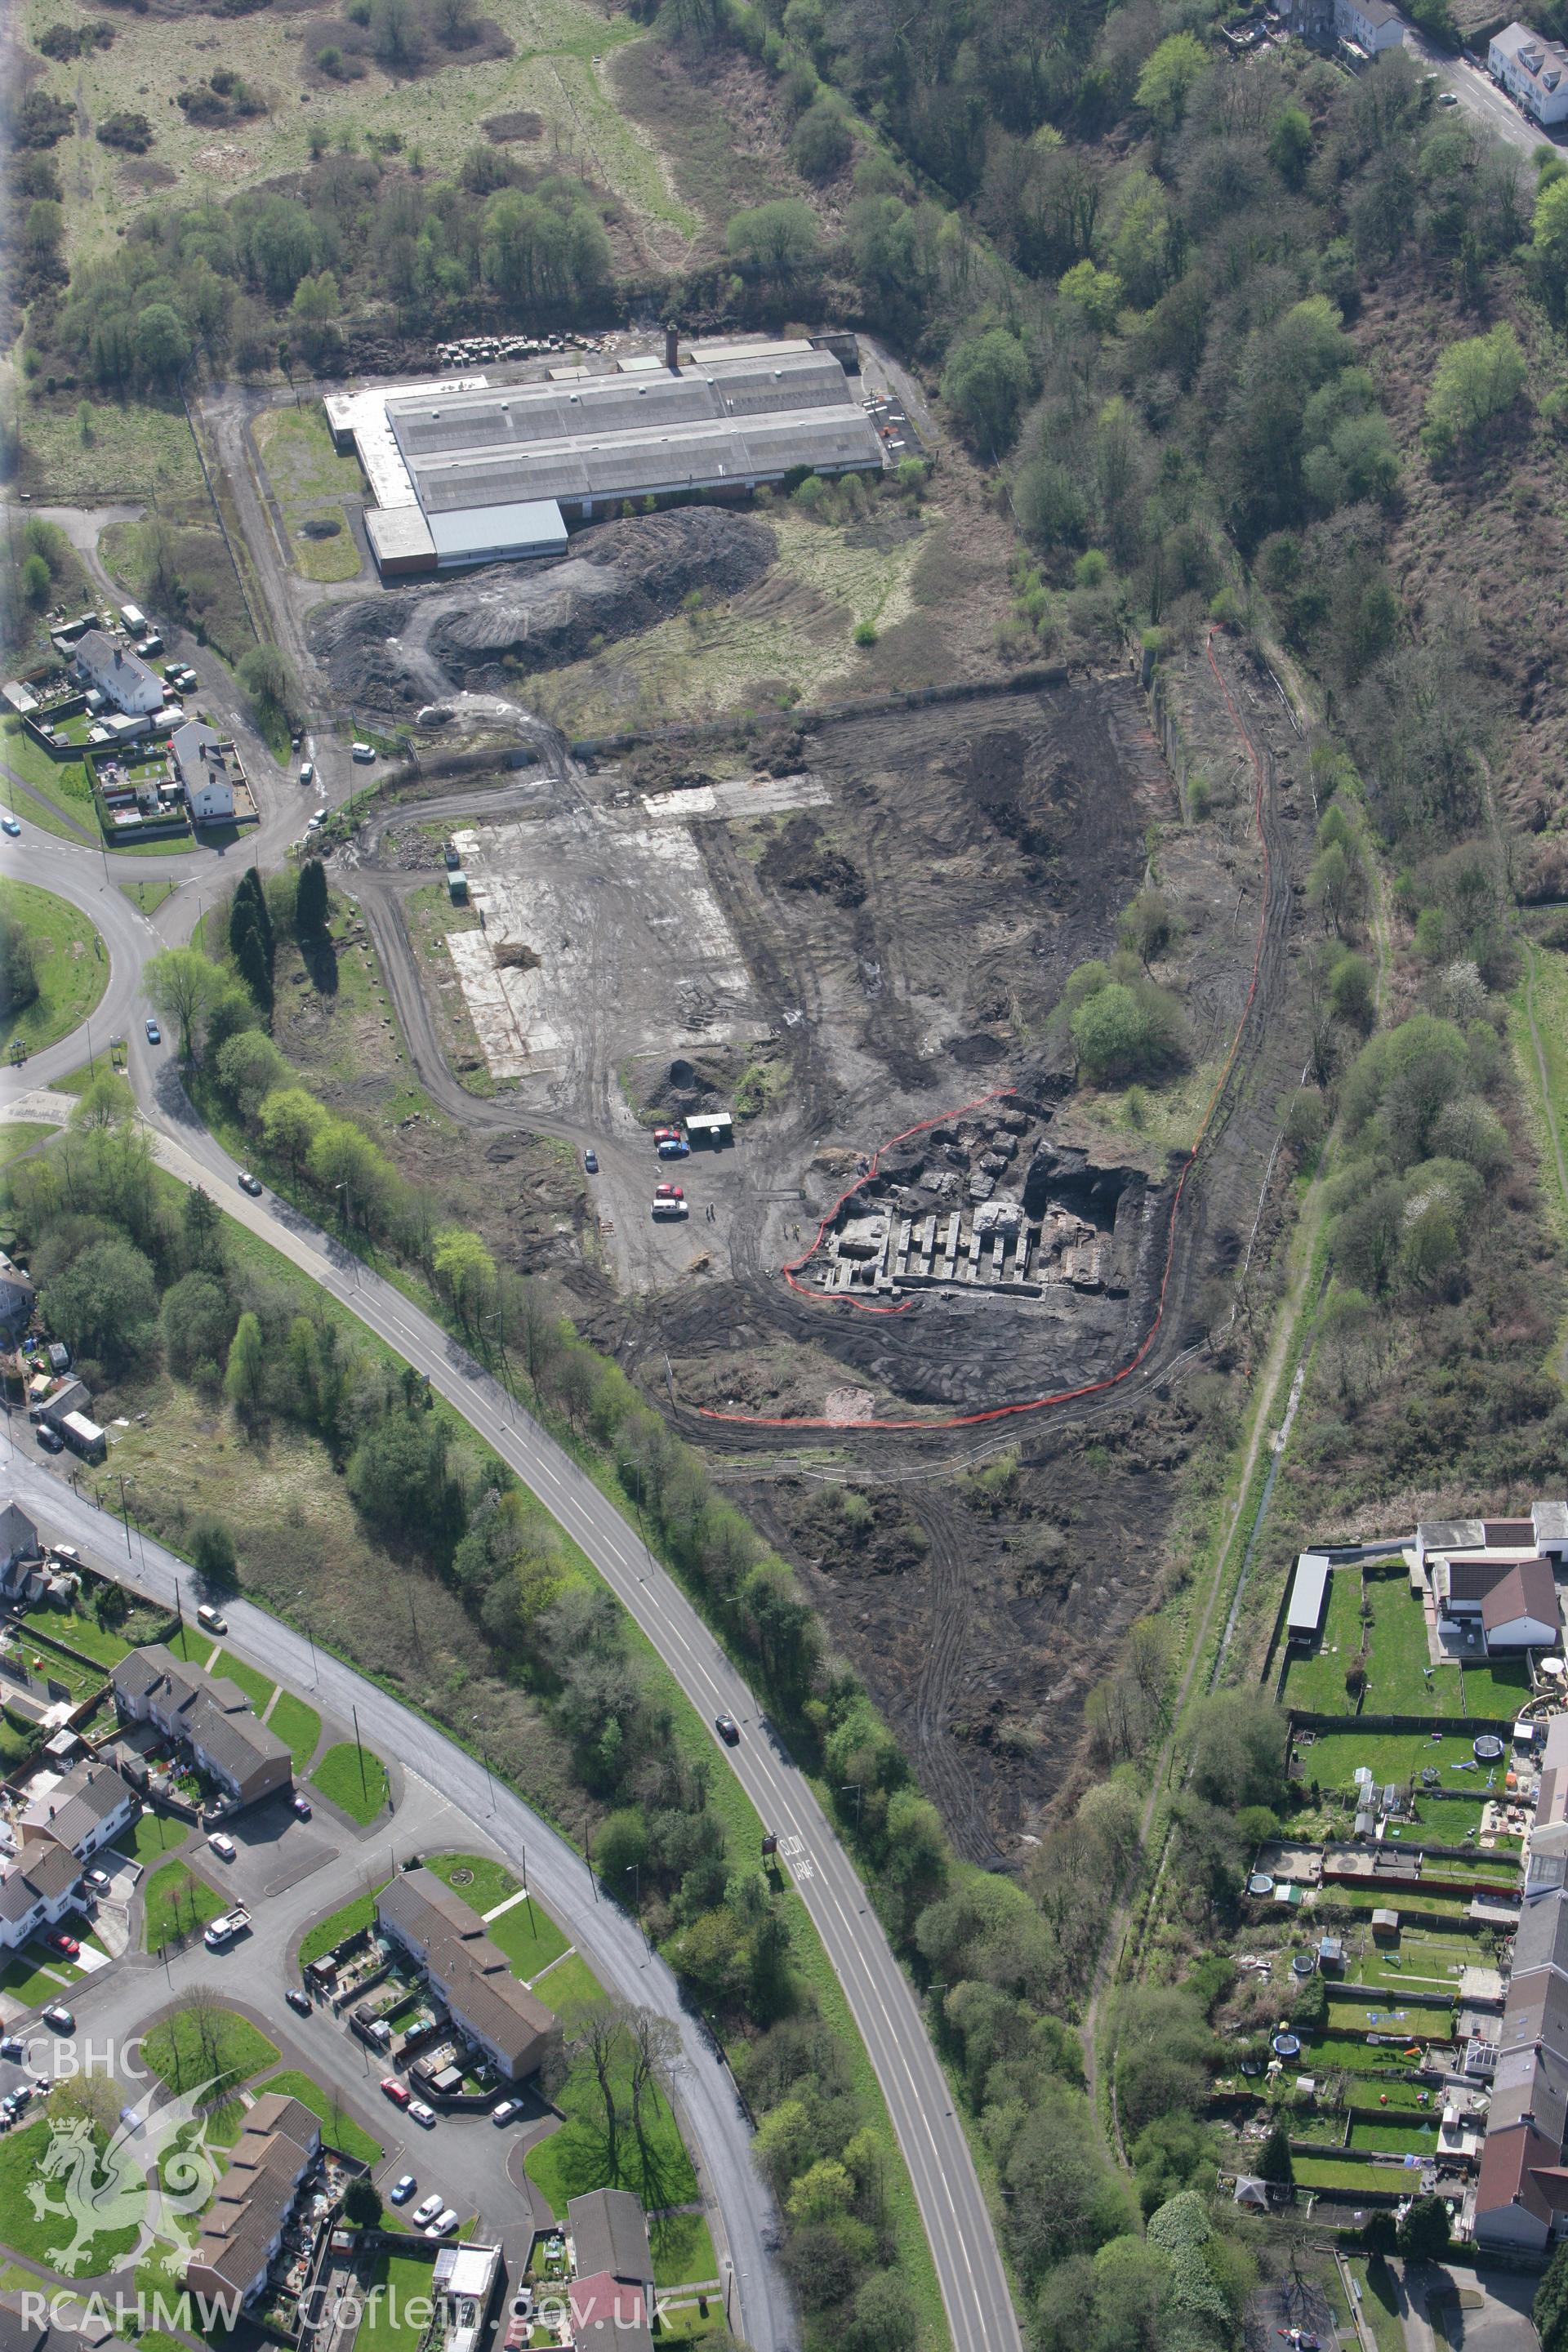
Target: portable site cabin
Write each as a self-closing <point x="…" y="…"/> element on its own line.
<point x="716" y="1128"/>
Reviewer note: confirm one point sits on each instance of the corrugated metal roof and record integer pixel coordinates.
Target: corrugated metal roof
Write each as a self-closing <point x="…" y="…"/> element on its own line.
<point x="1308" y="1593"/>
<point x="525" y="525"/>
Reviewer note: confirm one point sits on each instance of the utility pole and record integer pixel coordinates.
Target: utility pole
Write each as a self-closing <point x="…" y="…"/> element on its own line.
<point x="125" y="1515"/>
<point x="315" y="1671"/>
<point x="359" y="1743"/>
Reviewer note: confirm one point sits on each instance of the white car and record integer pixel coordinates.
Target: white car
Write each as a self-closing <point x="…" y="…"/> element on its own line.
<point x="421" y="2114"/>
<point x="307" y="772"/>
<point x="224" y="1847"/>
<point x="505" y="2112"/>
<point x="317" y="821"/>
<point x="364" y="752"/>
<point x="427" y="2212"/>
<point x="444" y="2224"/>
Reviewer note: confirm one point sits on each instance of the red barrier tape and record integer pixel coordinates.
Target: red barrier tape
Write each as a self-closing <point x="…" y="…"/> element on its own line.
<point x="1112" y="1380"/>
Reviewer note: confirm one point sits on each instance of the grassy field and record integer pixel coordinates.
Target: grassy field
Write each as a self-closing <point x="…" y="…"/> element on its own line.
<point x="338" y="1926"/>
<point x="152" y="1834"/>
<point x="529" y="1939"/>
<point x="1416" y="2136"/>
<point x="1496" y="1688"/>
<point x="554" y="71"/>
<point x="64" y="805"/>
<point x="311" y="482"/>
<point x="148" y="895"/>
<point x="39" y="2239"/>
<point x="32" y="1985"/>
<point x="1328" y="2172"/>
<point x="353" y="1780"/>
<point x="574" y="2159"/>
<point x="682" y="2247"/>
<point x="1397" y="1654"/>
<point x="794" y="631"/>
<point x="481" y="1881"/>
<point x="568" y="1981"/>
<point x="232" y="2049"/>
<point x="84" y="1633"/>
<point x="176" y="1903"/>
<point x="71" y="961"/>
<point x="131" y="445"/>
<point x="430" y="916"/>
<point x="19" y="1136"/>
<point x="341" y="2128"/>
<point x="1317" y="1682"/>
<point x="299" y="1725"/>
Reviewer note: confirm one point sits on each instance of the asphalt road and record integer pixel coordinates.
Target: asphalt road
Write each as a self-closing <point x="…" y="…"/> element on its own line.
<point x="123" y="2004"/>
<point x="1478" y="96"/>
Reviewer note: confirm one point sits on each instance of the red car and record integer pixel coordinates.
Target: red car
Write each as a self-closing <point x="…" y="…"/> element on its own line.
<point x="668" y="1192"/>
<point x="667" y="1135"/>
<point x="398" y="2093"/>
<point x="60" y="1942"/>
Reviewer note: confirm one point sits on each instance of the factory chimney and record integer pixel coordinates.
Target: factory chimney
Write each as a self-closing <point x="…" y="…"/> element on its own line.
<point x="672" y="348"/>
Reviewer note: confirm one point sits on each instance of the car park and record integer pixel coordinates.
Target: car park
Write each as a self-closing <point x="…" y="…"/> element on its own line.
<point x="444" y="2224"/>
<point x="250" y="1183"/>
<point x="155" y="1035"/>
<point x="728" y="1730"/>
<point x="402" y="2191"/>
<point x="59" y="2018"/>
<point x="422" y="2114"/>
<point x="505" y="2112"/>
<point x="298" y="2000"/>
<point x="427" y="2211"/>
<point x="398" y="2093"/>
<point x="224" y="1847"/>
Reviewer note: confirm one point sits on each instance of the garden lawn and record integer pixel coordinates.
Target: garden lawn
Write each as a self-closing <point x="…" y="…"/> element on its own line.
<point x="30" y="1986"/>
<point x="570" y="1980"/>
<point x="1317" y="1682"/>
<point x="233" y="2050"/>
<point x="353" y="1780"/>
<point x="1327" y="2172"/>
<point x="152" y="1834"/>
<point x="83" y="1633"/>
<point x="1348" y="2053"/>
<point x="70" y="961"/>
<point x="256" y="1686"/>
<point x="529" y="1939"/>
<point x="1398" y="1654"/>
<point x="481" y="1881"/>
<point x="1397" y="1756"/>
<point x="1497" y="1688"/>
<point x="343" y="2130"/>
<point x="682" y="2249"/>
<point x="176" y="1904"/>
<point x="576" y="2159"/>
<point x="1414" y="2137"/>
<point x="299" y="1725"/>
<point x="21" y="2159"/>
<point x="328" y="1933"/>
<point x="385" y="2328"/>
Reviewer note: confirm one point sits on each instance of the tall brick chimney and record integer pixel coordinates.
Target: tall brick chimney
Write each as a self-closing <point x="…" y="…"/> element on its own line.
<point x="672" y="347"/>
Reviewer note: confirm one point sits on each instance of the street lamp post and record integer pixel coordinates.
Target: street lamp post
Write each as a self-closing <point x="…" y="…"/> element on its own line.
<point x="315" y="1670"/>
<point x="634" y="1872"/>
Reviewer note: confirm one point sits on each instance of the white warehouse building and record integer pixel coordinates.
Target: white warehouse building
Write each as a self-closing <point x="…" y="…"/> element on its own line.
<point x="466" y="472"/>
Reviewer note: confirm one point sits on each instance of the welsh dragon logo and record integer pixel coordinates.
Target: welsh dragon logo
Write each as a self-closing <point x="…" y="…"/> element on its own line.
<point x="154" y="2174"/>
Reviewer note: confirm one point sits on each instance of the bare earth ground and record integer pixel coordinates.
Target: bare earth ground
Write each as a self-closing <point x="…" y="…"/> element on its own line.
<point x="897" y="937"/>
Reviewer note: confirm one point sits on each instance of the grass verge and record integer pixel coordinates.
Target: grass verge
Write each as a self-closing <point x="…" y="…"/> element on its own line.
<point x="69" y="960"/>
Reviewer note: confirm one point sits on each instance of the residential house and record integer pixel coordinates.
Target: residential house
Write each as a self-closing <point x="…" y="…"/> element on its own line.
<point x="212" y="1715"/>
<point x="1371" y="25"/>
<point x="609" y="2317"/>
<point x="206" y="768"/>
<point x="243" y="2227"/>
<point x="17" y="1299"/>
<point x="1533" y="70"/>
<point x="18" y="1540"/>
<point x="37" y="1890"/>
<point x="472" y="1976"/>
<point x="1522" y="2193"/>
<point x="608" y="2230"/>
<point x="86" y="1809"/>
<point x="1511" y="1604"/>
<point x="118" y="675"/>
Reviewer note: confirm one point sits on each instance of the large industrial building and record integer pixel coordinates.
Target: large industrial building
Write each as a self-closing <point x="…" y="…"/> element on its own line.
<point x="464" y="471"/>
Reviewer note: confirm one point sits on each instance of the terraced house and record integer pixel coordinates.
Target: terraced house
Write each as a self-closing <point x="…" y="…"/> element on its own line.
<point x="210" y="1714"/>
